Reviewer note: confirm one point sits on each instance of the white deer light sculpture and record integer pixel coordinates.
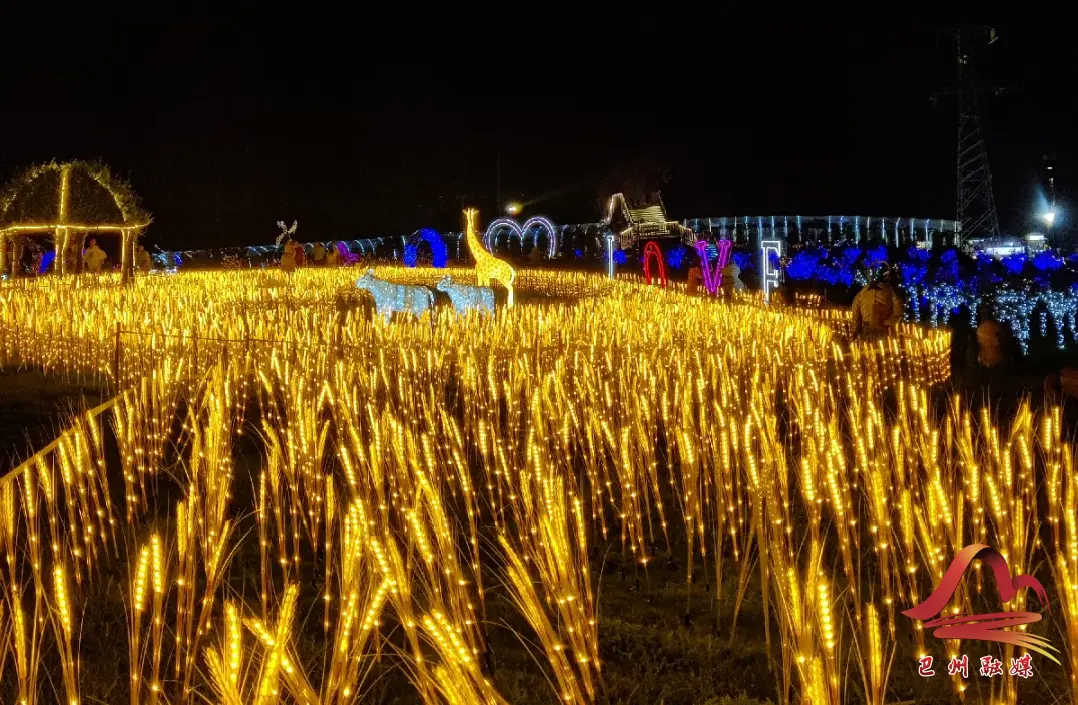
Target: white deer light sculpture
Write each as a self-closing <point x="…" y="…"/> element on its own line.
<point x="389" y="297"/>
<point x="467" y="298"/>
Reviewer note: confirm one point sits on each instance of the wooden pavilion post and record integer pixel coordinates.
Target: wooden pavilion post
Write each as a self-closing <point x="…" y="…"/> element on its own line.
<point x="18" y="244"/>
<point x="60" y="239"/>
<point x="126" y="254"/>
<point x="80" y="266"/>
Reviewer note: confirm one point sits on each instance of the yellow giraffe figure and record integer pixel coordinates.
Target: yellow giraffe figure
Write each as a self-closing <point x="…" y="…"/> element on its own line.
<point x="487" y="266"/>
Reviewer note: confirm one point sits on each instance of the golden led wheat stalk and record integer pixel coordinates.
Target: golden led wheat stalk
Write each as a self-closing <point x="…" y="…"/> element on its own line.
<point x="409" y="474"/>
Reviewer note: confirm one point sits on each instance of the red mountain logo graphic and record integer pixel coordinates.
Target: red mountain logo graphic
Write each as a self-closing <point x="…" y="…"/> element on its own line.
<point x="984" y="627"/>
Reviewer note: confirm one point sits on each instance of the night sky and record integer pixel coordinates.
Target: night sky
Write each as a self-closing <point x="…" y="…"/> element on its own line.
<point x="222" y="133"/>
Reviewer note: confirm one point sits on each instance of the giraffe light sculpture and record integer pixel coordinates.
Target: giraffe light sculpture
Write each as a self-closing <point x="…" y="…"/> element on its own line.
<point x="487" y="266"/>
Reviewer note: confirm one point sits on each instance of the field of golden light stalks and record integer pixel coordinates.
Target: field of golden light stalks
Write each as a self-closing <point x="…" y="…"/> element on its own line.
<point x="609" y="493"/>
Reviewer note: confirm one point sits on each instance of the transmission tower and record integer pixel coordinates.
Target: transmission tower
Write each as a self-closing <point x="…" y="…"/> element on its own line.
<point x="976" y="212"/>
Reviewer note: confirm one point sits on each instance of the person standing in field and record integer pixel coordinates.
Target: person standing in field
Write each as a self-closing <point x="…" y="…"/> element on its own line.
<point x="142" y="259"/>
<point x="301" y="255"/>
<point x="877" y="309"/>
<point x="731" y="279"/>
<point x="288" y="257"/>
<point x="94" y="257"/>
<point x="319" y="255"/>
<point x="993" y="340"/>
<point x="696" y="278"/>
<point x="331" y="255"/>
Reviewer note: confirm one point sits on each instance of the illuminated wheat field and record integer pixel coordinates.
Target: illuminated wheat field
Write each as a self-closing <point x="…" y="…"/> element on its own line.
<point x="291" y="501"/>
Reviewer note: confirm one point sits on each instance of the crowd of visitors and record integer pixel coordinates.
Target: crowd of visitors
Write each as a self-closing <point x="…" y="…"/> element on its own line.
<point x="294" y="256"/>
<point x="982" y="355"/>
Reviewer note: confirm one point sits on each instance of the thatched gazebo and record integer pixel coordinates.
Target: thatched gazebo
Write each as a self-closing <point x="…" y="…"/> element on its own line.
<point x="68" y="201"/>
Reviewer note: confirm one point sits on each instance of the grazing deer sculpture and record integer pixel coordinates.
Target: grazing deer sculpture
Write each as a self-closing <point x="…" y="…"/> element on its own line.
<point x="467" y="298"/>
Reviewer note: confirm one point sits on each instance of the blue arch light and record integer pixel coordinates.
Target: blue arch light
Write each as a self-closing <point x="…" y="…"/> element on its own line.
<point x="437" y="246"/>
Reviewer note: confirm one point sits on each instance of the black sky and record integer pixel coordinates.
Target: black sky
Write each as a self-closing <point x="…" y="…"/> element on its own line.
<point x="223" y="132"/>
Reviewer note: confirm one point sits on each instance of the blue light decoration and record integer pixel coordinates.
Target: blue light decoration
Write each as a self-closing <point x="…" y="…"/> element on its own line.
<point x="676" y="256"/>
<point x="46" y="261"/>
<point x="937" y="288"/>
<point x="803" y="265"/>
<point x="875" y="257"/>
<point x="620" y="257"/>
<point x="1045" y="261"/>
<point x="1014" y="264"/>
<point x="916" y="254"/>
<point x="912" y="274"/>
<point x="579" y="254"/>
<point x="440" y="256"/>
<point x="944" y="300"/>
<point x="1014" y="308"/>
<point x="744" y="261"/>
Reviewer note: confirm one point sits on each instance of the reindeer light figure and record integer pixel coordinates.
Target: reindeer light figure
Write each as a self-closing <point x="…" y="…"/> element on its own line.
<point x="286" y="232"/>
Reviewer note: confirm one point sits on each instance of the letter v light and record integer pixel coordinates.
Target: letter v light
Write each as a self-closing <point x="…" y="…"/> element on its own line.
<point x="713" y="278"/>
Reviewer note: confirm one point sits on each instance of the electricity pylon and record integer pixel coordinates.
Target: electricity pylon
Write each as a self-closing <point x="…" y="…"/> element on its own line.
<point x="976" y="205"/>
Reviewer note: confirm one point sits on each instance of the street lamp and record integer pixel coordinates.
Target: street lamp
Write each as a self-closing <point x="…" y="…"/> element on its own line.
<point x="1049" y="220"/>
